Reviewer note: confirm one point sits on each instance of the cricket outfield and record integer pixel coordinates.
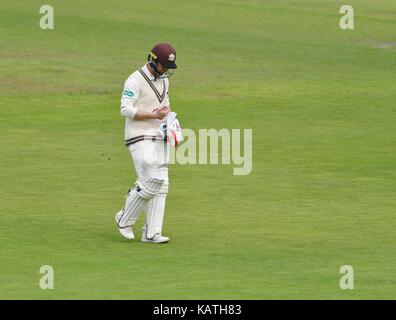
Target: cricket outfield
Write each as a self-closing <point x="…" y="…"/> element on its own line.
<point x="320" y="102"/>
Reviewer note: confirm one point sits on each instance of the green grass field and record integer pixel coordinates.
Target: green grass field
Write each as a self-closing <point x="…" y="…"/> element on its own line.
<point x="322" y="193"/>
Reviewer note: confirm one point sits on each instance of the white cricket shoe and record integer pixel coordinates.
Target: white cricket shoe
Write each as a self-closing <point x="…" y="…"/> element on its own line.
<point x="125" y="232"/>
<point x="156" y="239"/>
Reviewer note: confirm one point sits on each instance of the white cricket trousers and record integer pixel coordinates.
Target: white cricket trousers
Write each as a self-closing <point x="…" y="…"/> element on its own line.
<point x="151" y="159"/>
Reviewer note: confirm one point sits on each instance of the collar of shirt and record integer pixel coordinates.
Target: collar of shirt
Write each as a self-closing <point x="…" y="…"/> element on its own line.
<point x="148" y="73"/>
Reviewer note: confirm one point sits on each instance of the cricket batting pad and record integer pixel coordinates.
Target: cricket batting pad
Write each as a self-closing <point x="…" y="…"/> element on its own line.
<point x="155" y="211"/>
<point x="137" y="198"/>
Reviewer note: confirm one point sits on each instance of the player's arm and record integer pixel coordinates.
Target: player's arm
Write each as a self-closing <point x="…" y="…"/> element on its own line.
<point x="130" y="94"/>
<point x="144" y="115"/>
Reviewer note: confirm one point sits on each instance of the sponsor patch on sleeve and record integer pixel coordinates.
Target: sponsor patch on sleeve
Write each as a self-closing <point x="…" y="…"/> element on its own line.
<point x="128" y="93"/>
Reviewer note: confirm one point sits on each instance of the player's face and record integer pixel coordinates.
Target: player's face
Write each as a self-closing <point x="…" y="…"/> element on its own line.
<point x="164" y="71"/>
<point x="161" y="69"/>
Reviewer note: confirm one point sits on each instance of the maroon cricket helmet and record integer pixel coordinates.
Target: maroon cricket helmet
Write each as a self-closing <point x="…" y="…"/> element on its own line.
<point x="165" y="54"/>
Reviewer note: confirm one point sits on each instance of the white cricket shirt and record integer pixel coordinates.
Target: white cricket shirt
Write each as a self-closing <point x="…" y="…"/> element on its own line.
<point x="143" y="92"/>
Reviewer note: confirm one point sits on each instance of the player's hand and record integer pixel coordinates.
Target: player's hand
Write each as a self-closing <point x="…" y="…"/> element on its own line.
<point x="164" y="108"/>
<point x="161" y="113"/>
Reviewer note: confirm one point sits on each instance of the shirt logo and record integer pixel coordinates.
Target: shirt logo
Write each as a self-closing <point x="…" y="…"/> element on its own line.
<point x="128" y="93"/>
